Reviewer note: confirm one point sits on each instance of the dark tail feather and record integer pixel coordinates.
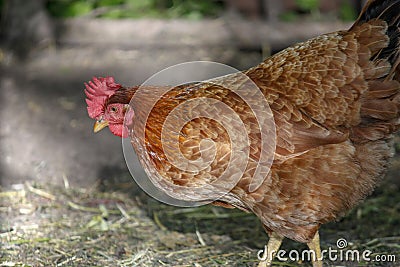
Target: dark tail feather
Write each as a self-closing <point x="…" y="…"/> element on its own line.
<point x="388" y="11"/>
<point x="380" y="109"/>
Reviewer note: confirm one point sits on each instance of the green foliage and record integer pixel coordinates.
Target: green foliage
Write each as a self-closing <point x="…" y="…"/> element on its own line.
<point x="289" y="16"/>
<point x="110" y="2"/>
<point x="191" y="9"/>
<point x="308" y="5"/>
<point x="132" y="9"/>
<point x="347" y="12"/>
<point x="1" y="7"/>
<point x="70" y="8"/>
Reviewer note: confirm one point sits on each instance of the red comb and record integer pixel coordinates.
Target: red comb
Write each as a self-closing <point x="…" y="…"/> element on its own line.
<point x="97" y="91"/>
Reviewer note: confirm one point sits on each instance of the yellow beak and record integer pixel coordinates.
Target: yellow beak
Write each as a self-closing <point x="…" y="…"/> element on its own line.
<point x="99" y="125"/>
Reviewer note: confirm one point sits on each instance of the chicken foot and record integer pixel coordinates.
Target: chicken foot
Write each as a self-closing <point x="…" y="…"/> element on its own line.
<point x="275" y="242"/>
<point x="271" y="249"/>
<point x="315" y="247"/>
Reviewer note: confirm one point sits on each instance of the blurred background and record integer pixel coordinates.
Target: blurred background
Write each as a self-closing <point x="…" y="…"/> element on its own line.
<point x="49" y="48"/>
<point x="61" y="182"/>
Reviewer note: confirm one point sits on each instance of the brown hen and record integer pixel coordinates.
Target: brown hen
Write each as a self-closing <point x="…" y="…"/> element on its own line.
<point x="335" y="101"/>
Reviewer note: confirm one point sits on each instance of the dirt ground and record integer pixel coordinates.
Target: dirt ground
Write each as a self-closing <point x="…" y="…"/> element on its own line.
<point x="66" y="197"/>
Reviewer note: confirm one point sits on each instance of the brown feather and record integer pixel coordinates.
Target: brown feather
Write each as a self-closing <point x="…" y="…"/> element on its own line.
<point x="336" y="103"/>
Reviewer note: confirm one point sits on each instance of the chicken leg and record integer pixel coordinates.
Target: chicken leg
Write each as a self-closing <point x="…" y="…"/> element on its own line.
<point x="314" y="246"/>
<point x="271" y="249"/>
<point x="275" y="242"/>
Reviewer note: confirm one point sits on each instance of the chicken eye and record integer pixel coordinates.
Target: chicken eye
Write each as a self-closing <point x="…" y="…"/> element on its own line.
<point x="113" y="109"/>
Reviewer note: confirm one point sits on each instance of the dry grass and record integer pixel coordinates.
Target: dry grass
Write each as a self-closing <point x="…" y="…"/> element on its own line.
<point x="52" y="226"/>
<point x="63" y="226"/>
